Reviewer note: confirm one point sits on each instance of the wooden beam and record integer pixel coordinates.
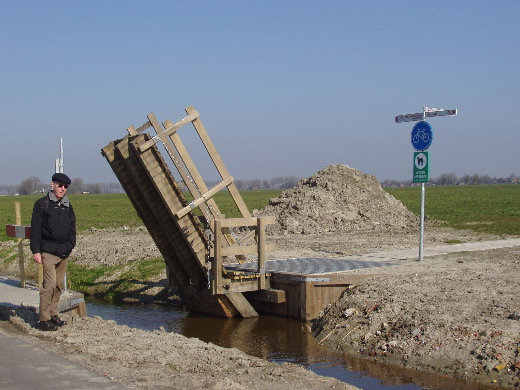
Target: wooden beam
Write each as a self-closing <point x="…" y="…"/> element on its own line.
<point x="271" y="295"/>
<point x="241" y="304"/>
<point x="243" y="286"/>
<point x="216" y="284"/>
<point x="249" y="222"/>
<point x="244" y="249"/>
<point x="161" y="136"/>
<point x="133" y="131"/>
<point x="262" y="248"/>
<point x="205" y="197"/>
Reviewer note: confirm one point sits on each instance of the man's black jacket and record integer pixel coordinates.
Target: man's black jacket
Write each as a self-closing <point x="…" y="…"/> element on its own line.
<point x="53" y="226"/>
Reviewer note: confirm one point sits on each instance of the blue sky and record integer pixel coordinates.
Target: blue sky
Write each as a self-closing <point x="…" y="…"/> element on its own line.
<point x="284" y="88"/>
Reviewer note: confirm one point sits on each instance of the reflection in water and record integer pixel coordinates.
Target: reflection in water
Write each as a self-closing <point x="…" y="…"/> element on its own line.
<point x="276" y="339"/>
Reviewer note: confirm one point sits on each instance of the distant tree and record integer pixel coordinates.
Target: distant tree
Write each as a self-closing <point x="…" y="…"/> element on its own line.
<point x="446" y="179"/>
<point x="113" y="188"/>
<point x="289" y="182"/>
<point x="8" y="189"/>
<point x="76" y="187"/>
<point x="94" y="188"/>
<point x="255" y="184"/>
<point x="31" y="185"/>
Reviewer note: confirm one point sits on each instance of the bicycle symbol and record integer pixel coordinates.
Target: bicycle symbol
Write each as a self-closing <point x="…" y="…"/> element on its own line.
<point x="420" y="136"/>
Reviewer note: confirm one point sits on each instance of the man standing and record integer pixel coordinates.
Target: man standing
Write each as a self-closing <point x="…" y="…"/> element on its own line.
<point x="53" y="236"/>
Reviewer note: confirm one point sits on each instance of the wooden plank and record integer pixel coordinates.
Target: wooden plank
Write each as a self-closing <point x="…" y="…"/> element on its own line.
<point x="131" y="130"/>
<point x="146" y="125"/>
<point x="207" y="195"/>
<point x="244" y="249"/>
<point x="240" y="286"/>
<point x="199" y="247"/>
<point x="249" y="222"/>
<point x="262" y="248"/>
<point x="163" y="134"/>
<point x="241" y="304"/>
<point x="192" y="234"/>
<point x="271" y="295"/>
<point x="216" y="284"/>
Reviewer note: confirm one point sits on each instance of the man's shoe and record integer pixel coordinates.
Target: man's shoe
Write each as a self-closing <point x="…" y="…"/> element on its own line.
<point x="47" y="326"/>
<point x="57" y="321"/>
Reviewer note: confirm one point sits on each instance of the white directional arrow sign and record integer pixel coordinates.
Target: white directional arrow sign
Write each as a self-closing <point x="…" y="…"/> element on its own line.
<point x="428" y="113"/>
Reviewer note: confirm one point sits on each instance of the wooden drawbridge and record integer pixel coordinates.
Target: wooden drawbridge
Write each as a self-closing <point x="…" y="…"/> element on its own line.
<point x="193" y="250"/>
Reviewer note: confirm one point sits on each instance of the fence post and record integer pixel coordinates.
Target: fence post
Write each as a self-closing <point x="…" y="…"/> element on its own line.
<point x="20" y="245"/>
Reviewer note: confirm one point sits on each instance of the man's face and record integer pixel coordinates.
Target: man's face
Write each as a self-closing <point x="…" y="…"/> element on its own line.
<point x="59" y="189"/>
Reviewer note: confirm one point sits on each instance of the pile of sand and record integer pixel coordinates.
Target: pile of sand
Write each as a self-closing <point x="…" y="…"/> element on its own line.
<point x="337" y="199"/>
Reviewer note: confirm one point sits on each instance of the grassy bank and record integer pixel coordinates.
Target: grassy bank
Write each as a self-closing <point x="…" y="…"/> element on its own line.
<point x="118" y="282"/>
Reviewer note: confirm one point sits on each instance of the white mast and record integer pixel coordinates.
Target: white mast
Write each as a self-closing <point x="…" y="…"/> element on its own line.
<point x="58" y="167"/>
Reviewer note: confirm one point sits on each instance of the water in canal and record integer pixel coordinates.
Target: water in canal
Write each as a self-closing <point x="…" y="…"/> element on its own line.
<point x="277" y="339"/>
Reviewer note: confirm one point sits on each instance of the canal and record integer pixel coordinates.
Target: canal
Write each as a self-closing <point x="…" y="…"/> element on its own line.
<point x="277" y="339"/>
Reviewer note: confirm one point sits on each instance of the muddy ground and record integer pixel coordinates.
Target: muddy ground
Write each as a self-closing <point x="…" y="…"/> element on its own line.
<point x="161" y="360"/>
<point x="455" y="315"/>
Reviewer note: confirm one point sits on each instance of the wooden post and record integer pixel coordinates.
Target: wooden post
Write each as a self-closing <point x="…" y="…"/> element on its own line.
<point x="261" y="224"/>
<point x="217" y="259"/>
<point x="20" y="245"/>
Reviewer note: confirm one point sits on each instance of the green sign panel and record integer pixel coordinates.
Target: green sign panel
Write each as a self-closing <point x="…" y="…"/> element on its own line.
<point x="421" y="167"/>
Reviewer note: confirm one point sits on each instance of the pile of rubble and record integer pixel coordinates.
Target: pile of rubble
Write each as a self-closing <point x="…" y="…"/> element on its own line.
<point x="337" y="199"/>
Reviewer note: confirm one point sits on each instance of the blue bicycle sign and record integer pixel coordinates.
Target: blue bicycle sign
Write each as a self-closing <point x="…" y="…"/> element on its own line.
<point x="422" y="136"/>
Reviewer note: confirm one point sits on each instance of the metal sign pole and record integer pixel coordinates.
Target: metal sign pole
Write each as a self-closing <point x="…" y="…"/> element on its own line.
<point x="422" y="141"/>
<point x="423" y="191"/>
<point x="421" y="237"/>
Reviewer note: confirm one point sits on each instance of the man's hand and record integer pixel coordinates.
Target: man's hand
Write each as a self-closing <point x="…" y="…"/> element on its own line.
<point x="37" y="257"/>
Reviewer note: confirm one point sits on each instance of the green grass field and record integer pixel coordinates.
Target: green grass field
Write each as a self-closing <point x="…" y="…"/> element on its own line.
<point x="491" y="208"/>
<point x="484" y="208"/>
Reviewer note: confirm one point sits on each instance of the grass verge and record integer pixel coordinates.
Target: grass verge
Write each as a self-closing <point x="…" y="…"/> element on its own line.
<point x="117" y="282"/>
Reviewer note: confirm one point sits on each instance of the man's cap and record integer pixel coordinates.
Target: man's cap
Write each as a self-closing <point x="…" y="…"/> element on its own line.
<point x="61" y="178"/>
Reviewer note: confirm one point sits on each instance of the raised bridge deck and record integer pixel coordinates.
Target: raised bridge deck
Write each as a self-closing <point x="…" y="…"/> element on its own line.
<point x="194" y="253"/>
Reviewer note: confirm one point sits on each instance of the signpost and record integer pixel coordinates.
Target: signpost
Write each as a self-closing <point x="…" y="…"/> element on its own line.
<point x="421" y="138"/>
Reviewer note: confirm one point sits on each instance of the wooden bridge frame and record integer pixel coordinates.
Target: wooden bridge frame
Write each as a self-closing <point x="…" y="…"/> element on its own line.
<point x="193" y="261"/>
